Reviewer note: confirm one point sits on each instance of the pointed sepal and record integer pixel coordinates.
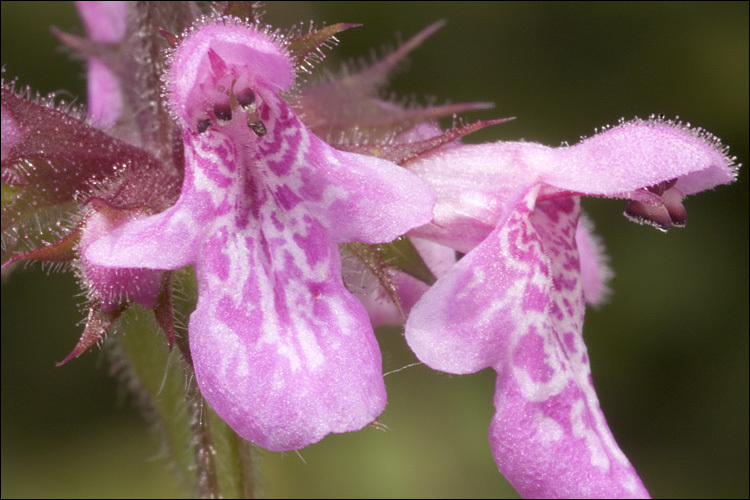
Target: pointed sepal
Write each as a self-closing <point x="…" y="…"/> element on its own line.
<point x="305" y="50"/>
<point x="98" y="323"/>
<point x="406" y="150"/>
<point x="164" y="312"/>
<point x="63" y="250"/>
<point x="372" y="259"/>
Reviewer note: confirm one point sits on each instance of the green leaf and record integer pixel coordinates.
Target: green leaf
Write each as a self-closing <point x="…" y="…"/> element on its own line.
<point x="9" y="193"/>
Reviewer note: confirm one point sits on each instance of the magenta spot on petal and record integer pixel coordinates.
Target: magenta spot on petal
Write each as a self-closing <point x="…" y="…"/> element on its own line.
<point x="283" y="166"/>
<point x="571" y="262"/>
<point x="265" y="248"/>
<point x="560" y="283"/>
<point x="282" y="308"/>
<point x="238" y="318"/>
<point x="221" y="181"/>
<point x="291" y="150"/>
<point x="534" y="299"/>
<point x="290" y="267"/>
<point x="559" y="407"/>
<point x="248" y="205"/>
<point x="276" y="222"/>
<point x="524" y="246"/>
<point x="226" y="312"/>
<point x="286" y="198"/>
<point x="315" y="243"/>
<point x="569" y="308"/>
<point x="211" y="170"/>
<point x="316" y="289"/>
<point x="530" y="356"/>
<point x="268" y="147"/>
<point x="312" y="186"/>
<point x="241" y="217"/>
<point x="555" y="312"/>
<point x="570" y="342"/>
<point x="227" y="155"/>
<point x="265" y="113"/>
<point x="543" y="268"/>
<point x="203" y="209"/>
<point x="250" y="191"/>
<point x="276" y="245"/>
<point x="322" y="311"/>
<point x="320" y="291"/>
<point x="216" y="261"/>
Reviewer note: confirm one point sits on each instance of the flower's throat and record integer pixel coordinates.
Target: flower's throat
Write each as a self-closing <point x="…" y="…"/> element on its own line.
<point x="226" y="103"/>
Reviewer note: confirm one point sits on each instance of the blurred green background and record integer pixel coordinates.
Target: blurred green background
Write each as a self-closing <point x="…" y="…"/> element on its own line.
<point x="669" y="352"/>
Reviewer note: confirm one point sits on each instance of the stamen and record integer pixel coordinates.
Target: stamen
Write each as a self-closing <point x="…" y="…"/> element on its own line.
<point x="223" y="112"/>
<point x="654" y="215"/>
<point x="659" y="205"/>
<point x="258" y="128"/>
<point x="245" y="98"/>
<point x="660" y="188"/>
<point x="203" y="125"/>
<point x="673" y="202"/>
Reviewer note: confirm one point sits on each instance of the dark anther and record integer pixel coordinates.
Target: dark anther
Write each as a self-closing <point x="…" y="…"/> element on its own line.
<point x="245" y="97"/>
<point x="203" y="125"/>
<point x="655" y="215"/>
<point x="659" y="189"/>
<point x="223" y="112"/>
<point x="665" y="210"/>
<point x="258" y="128"/>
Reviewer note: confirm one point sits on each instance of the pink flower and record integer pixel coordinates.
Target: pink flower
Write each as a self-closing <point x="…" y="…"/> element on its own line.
<point x="281" y="350"/>
<point x="169" y="107"/>
<point x="516" y="303"/>
<point x="105" y="22"/>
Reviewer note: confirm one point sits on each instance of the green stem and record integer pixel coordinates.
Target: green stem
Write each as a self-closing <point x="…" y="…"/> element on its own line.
<point x="206" y="481"/>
